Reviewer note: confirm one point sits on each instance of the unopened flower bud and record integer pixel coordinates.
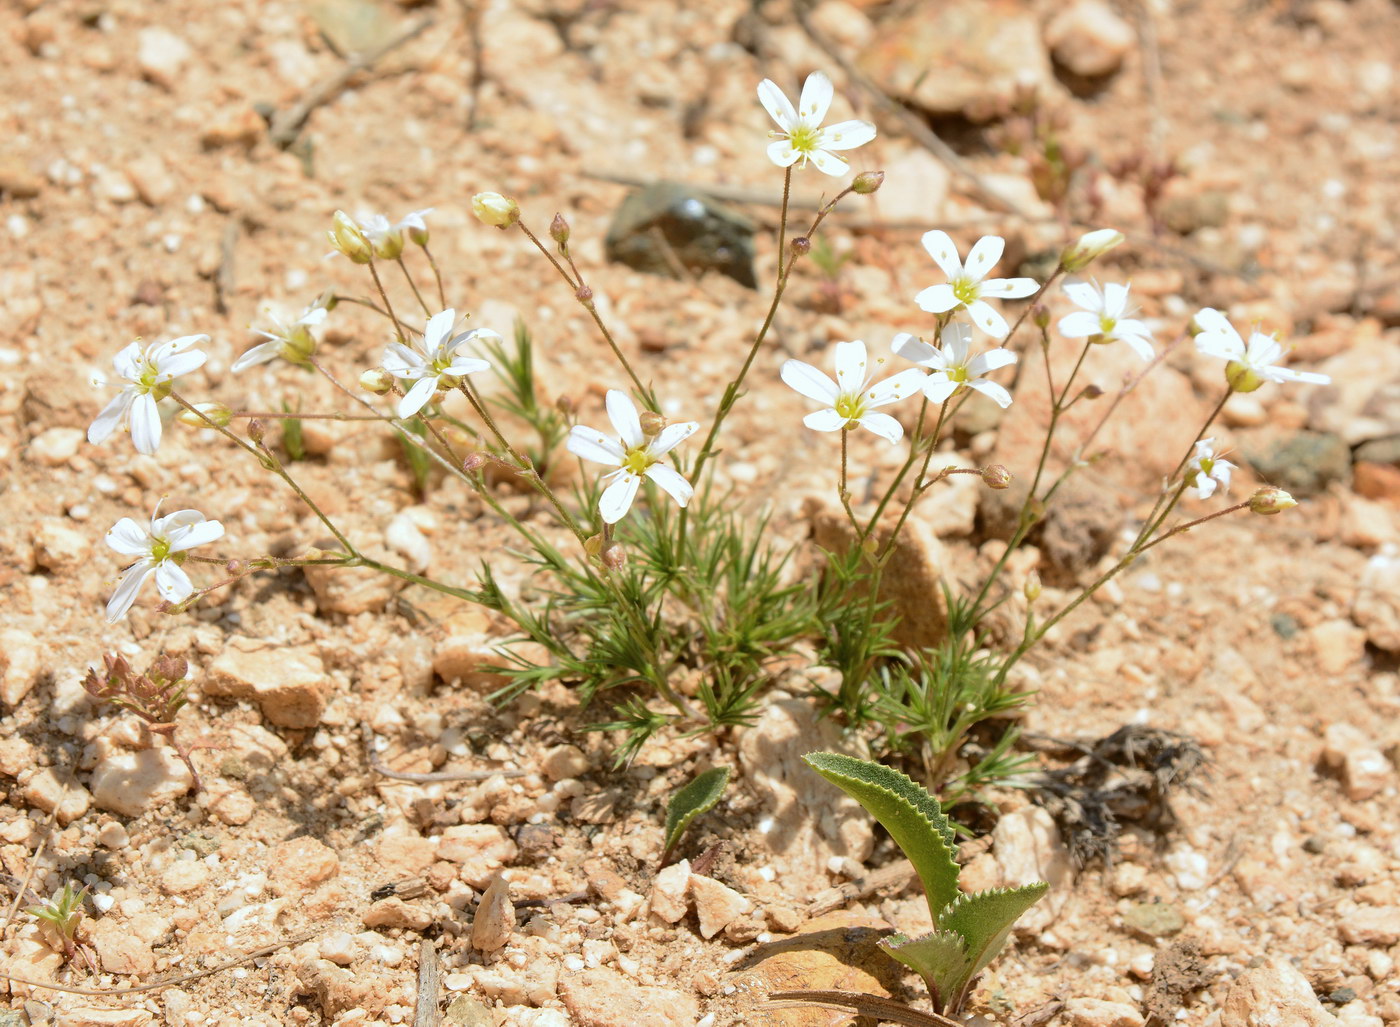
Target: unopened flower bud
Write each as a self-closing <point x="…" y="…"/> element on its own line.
<point x="1241" y="377"/>
<point x="559" y="229"/>
<point x="593" y="545"/>
<point x="418" y="235"/>
<point x="1091" y="391"/>
<point x="995" y="476"/>
<point x="328" y="301"/>
<point x="565" y="405"/>
<point x="1040" y="316"/>
<point x="209" y="415"/>
<point x="801" y="245"/>
<point x="869" y="546"/>
<point x="867" y="182"/>
<point x="1270" y="500"/>
<point x="1031" y="589"/>
<point x="584" y="295"/>
<point x="377" y="380"/>
<point x="652" y="423"/>
<point x="257" y="431"/>
<point x="389" y="245"/>
<point x="614" y="555"/>
<point x="495" y="209"/>
<point x="1090" y="247"/>
<point x="474" y="462"/>
<point x="348" y="238"/>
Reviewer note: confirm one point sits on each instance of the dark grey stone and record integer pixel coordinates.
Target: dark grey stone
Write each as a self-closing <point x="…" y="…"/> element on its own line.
<point x="666" y="224"/>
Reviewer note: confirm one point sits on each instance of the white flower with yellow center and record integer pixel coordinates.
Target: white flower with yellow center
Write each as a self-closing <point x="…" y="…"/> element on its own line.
<point x="292" y="342"/>
<point x="952" y="370"/>
<point x="800" y="137"/>
<point x="851" y="399"/>
<point x="149" y="375"/>
<point x="1247" y="366"/>
<point x="435" y="363"/>
<point x="1104" y="318"/>
<point x="159" y="550"/>
<point x="968" y="285"/>
<point x="633" y="454"/>
<point x="1205" y="470"/>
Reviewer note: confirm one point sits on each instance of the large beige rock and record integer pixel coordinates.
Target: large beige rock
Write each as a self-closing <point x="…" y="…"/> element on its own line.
<point x="49" y="789"/>
<point x="19" y="665"/>
<point x="1273" y="995"/>
<point x="605" y="998"/>
<point x="130" y="783"/>
<point x="288" y="683"/>
<point x="1028" y="848"/>
<point x="1089" y="38"/>
<point x="717" y="905"/>
<point x="298" y="865"/>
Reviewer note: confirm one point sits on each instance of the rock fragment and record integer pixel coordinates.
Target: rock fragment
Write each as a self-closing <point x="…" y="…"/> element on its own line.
<point x="19" y="662"/>
<point x="297" y="866"/>
<point x="717" y="905"/>
<point x="1274" y="993"/>
<point x="669" y="891"/>
<point x="495" y="917"/>
<point x="479" y="849"/>
<point x="1362" y="767"/>
<point x="1089" y="39"/>
<point x="49" y="789"/>
<point x="1028" y="848"/>
<point x="602" y="997"/>
<point x="130" y="783"/>
<point x="1094" y="1012"/>
<point x="288" y="683"/>
<point x="161" y="55"/>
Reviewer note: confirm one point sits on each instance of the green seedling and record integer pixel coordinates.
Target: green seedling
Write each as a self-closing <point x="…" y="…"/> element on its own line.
<point x="969" y="928"/>
<point x="62" y="915"/>
<point x="699" y="796"/>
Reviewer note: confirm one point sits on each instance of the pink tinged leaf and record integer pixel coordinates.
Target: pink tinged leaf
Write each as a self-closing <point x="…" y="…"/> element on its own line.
<point x="883" y="425"/>
<point x="617" y="498"/>
<point x="623" y="414"/>
<point x="809" y="381"/>
<point x="591" y="444"/>
<point x="825" y="420"/>
<point x="940" y="247"/>
<point x="984" y="256"/>
<point x="776" y="103"/>
<point x="130" y="584"/>
<point x="669" y="479"/>
<point x="417" y="397"/>
<point x="937" y="299"/>
<point x="145" y="424"/>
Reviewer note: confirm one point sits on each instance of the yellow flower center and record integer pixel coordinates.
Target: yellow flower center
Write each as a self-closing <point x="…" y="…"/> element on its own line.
<point x="803" y="138"/>
<point x="965" y="289"/>
<point x="851" y="407"/>
<point x="637" y="460"/>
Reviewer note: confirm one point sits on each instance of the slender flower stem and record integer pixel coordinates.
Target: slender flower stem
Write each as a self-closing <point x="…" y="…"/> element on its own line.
<point x="844" y="492"/>
<point x="271" y="415"/>
<point x="922" y="443"/>
<point x="1158" y="514"/>
<point x="783" y="218"/>
<point x="360" y="302"/>
<point x="427" y="312"/>
<point x="388" y="307"/>
<point x="437" y="276"/>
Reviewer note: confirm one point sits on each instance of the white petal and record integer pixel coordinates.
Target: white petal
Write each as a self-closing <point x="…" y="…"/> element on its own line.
<point x="438" y="328"/>
<point x="956" y="342"/>
<point x="1139" y="345"/>
<point x="829" y="163"/>
<point x="1262" y="350"/>
<point x="850" y="366"/>
<point x="986" y="318"/>
<point x="992" y="391"/>
<point x="127" y="362"/>
<point x="125" y="593"/>
<point x="617" y="498"/>
<point x="163" y="351"/>
<point x="197" y="535"/>
<point x="911" y="347"/>
<point x="1115" y="300"/>
<point x="937" y="299"/>
<point x="260" y="354"/>
<point x="883" y="425"/>
<point x="1080" y="324"/>
<point x="402" y="362"/>
<point x="669" y="479"/>
<point x="781" y="153"/>
<point x="1084" y="294"/>
<point x="672" y="436"/>
<point x="177" y="521"/>
<point x="129" y="538"/>
<point x="896" y="387"/>
<point x="984" y="256"/>
<point x="846" y="135"/>
<point x="417" y="397"/>
<point x="776" y="103"/>
<point x="145" y="424"/>
<point x="1212" y="321"/>
<point x="1284" y="374"/>
<point x="462" y="366"/>
<point x="1009" y="288"/>
<point x="816" y="98"/>
<point x="938" y="387"/>
<point x="591" y="444"/>
<point x="181" y="364"/>
<point x="989" y="361"/>
<point x="1214" y="344"/>
<point x="172" y="582"/>
<point x="944" y="253"/>
<point x="825" y="420"/>
<point x="113" y="414"/>
<point x="625" y="421"/>
<point x="809" y="381"/>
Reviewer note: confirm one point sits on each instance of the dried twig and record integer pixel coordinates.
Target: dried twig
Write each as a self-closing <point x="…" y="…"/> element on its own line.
<point x="224" y="281"/>
<point x="874" y="1006"/>
<point x="896" y="876"/>
<point x="425" y="1007"/>
<point x="378" y="766"/>
<point x="287" y="124"/>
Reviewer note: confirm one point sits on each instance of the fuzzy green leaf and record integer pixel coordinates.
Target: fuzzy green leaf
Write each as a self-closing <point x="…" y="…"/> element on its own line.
<point x="909" y="813"/>
<point x="699" y="796"/>
<point x="940" y="958"/>
<point x="984" y="920"/>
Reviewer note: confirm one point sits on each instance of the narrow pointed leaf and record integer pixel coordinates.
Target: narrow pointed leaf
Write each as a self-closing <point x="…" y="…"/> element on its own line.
<point x="699" y="796"/>
<point x="910" y="814"/>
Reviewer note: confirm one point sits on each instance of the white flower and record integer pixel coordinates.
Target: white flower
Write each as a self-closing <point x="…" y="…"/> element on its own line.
<point x="1247" y="366"/>
<point x="149" y="375"/>
<point x="1205" y="470"/>
<point x="436" y="362"/>
<point x="951" y="368"/>
<point x="415" y="226"/>
<point x="1104" y="317"/>
<point x="159" y="550"/>
<point x="495" y="209"/>
<point x="851" y="399"/>
<point x="968" y="285"/>
<point x="801" y="137"/>
<point x="633" y="454"/>
<point x="293" y="342"/>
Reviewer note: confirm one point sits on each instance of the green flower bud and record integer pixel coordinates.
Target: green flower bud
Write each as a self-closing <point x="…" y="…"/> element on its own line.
<point x="867" y="182"/>
<point x="1090" y="247"/>
<point x="1270" y="500"/>
<point x="495" y="209"/>
<point x="559" y="229"/>
<point x="377" y="380"/>
<point x="652" y="423"/>
<point x="217" y="413"/>
<point x="348" y="238"/>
